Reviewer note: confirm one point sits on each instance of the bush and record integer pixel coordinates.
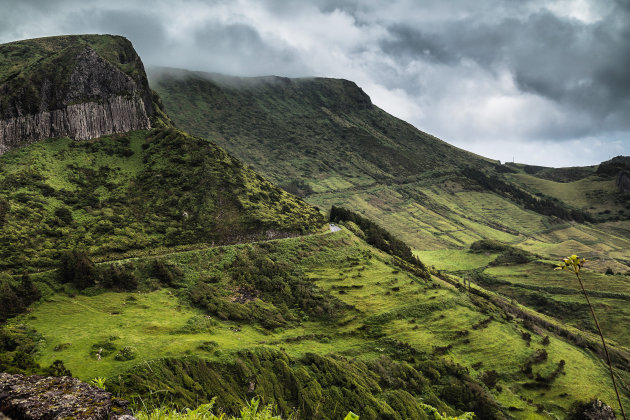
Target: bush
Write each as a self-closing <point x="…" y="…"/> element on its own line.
<point x="594" y="409"/>
<point x="78" y="269"/>
<point x="489" y="378"/>
<point x="14" y="299"/>
<point x="488" y="245"/>
<point x="167" y="274"/>
<point x="105" y="347"/>
<point x="57" y="368"/>
<point x="64" y="214"/>
<point x="126" y="353"/>
<point x="121" y="277"/>
<point x="513" y="256"/>
<point x="10" y="303"/>
<point x="197" y="324"/>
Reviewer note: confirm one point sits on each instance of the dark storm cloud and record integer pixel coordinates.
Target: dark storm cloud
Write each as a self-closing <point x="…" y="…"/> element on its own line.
<point x="582" y="66"/>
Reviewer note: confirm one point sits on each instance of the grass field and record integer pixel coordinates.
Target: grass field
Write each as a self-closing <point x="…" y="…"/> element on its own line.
<point x="455" y="259"/>
<point x="432" y="317"/>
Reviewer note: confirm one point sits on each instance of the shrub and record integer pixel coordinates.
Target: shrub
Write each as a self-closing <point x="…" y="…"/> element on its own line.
<point x="64" y="214"/>
<point x="197" y="324"/>
<point x="78" y="269"/>
<point x="489" y="378"/>
<point x="14" y="299"/>
<point x="10" y="303"/>
<point x="105" y="347"/>
<point x="208" y="346"/>
<point x="513" y="256"/>
<point x="488" y="245"/>
<point x="167" y="274"/>
<point x="121" y="277"/>
<point x="57" y="368"/>
<point x="126" y="353"/>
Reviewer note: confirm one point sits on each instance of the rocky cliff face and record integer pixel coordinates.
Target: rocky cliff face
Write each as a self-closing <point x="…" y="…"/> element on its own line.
<point x="87" y="97"/>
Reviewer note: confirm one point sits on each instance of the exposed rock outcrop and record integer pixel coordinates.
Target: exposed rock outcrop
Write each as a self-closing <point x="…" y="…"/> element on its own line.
<point x="92" y="98"/>
<point x="81" y="121"/>
<point x="623" y="181"/>
<point x="592" y="410"/>
<point x="37" y="397"/>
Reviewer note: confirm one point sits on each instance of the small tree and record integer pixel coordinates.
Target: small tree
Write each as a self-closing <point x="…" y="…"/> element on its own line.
<point x="78" y="269"/>
<point x="574" y="264"/>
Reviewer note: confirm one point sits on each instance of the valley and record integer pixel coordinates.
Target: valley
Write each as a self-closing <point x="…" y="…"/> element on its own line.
<point x="190" y="259"/>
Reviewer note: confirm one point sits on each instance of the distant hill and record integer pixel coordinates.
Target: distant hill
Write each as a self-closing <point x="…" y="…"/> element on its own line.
<point x="324" y="132"/>
<point x="601" y="189"/>
<point x="325" y="140"/>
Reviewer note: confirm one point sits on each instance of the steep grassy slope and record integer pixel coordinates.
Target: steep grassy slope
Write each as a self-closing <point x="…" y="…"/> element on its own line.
<point x="134" y="192"/>
<point x="322" y="132"/>
<point x="124" y="239"/>
<point x="323" y="139"/>
<point x="314" y="136"/>
<point x="321" y="324"/>
<point x="594" y="189"/>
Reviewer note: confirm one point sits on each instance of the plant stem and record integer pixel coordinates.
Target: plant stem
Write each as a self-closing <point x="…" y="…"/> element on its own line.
<point x="612" y="375"/>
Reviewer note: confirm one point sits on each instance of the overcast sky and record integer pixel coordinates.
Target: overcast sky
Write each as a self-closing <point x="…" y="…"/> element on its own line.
<point x="543" y="82"/>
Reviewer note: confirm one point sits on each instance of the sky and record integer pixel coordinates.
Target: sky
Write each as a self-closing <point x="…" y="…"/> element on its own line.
<point x="537" y="82"/>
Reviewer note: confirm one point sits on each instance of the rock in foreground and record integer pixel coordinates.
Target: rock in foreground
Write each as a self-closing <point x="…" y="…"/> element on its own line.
<point x="37" y="397"/>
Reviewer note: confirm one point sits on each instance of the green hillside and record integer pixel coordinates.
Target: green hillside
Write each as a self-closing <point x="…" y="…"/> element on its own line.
<point x="321" y="325"/>
<point x="322" y="132"/>
<point x="170" y="272"/>
<point x="589" y="188"/>
<point x="323" y="139"/>
<point x="133" y="193"/>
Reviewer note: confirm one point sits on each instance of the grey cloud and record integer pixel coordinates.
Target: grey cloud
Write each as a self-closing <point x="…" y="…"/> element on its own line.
<point x="143" y="28"/>
<point x="578" y="65"/>
<point x="409" y="43"/>
<point x="239" y="49"/>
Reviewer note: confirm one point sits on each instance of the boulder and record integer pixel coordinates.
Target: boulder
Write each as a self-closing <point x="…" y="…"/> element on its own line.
<point x="37" y="397"/>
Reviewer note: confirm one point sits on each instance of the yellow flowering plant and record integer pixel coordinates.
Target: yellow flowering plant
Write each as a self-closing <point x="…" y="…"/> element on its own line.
<point x="575" y="264"/>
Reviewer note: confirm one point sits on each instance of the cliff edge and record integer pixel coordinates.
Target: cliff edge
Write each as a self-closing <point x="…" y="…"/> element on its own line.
<point x="82" y="86"/>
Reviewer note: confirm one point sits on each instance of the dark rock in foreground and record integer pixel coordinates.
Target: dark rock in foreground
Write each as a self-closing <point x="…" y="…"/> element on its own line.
<point x="592" y="410"/>
<point x="37" y="397"/>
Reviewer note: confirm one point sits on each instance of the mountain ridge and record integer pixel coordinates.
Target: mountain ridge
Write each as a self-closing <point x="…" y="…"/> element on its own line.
<point x="329" y="97"/>
<point x="428" y="192"/>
